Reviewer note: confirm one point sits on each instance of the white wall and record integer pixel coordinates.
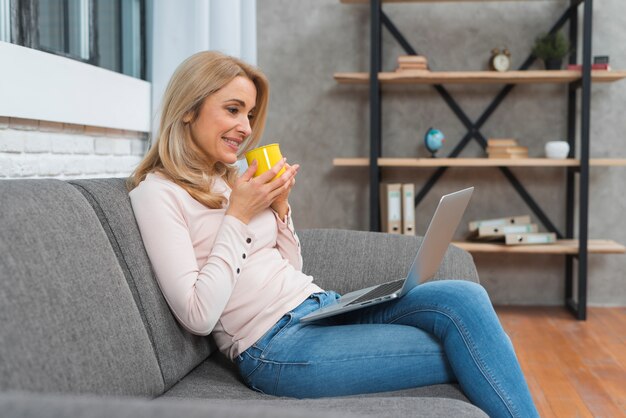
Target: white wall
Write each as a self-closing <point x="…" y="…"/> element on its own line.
<point x="41" y="86"/>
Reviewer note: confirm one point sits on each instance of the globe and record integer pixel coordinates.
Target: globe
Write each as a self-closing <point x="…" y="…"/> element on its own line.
<point x="434" y="140"/>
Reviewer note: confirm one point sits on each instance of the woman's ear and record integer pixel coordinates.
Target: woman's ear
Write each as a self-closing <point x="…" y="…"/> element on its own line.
<point x="188" y="117"/>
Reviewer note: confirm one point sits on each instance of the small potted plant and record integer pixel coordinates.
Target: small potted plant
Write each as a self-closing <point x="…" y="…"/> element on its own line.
<point x="551" y="49"/>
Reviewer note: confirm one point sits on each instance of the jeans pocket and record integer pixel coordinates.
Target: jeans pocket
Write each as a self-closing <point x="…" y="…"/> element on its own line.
<point x="278" y="329"/>
<point x="248" y="366"/>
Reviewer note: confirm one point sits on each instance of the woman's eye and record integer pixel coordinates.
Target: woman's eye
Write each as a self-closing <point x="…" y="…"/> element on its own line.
<point x="250" y="116"/>
<point x="232" y="110"/>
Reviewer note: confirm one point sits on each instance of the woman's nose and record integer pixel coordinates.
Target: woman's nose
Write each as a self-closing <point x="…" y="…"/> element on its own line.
<point x="244" y="126"/>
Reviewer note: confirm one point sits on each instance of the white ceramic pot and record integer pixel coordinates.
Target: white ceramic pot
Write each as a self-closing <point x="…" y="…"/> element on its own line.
<point x="557" y="149"/>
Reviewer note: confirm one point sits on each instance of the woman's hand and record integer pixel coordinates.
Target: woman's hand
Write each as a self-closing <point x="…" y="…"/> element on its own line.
<point x="251" y="195"/>
<point x="281" y="204"/>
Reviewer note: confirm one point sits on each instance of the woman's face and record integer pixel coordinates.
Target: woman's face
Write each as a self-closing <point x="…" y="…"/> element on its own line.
<point x="223" y="122"/>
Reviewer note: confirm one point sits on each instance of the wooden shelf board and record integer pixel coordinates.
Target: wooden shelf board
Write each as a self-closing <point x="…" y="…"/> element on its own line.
<point x="479" y="77"/>
<point x="476" y="162"/>
<point x="564" y="246"/>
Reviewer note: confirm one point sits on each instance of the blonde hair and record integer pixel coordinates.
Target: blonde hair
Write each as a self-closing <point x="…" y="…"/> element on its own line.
<point x="174" y="153"/>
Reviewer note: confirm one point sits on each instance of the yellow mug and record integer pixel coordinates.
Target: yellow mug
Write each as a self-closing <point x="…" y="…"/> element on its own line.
<point x="266" y="156"/>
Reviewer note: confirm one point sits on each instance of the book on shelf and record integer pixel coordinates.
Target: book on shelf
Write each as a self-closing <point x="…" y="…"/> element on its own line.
<point x="579" y="67"/>
<point x="502" y="142"/>
<point x="505" y="148"/>
<point x="408" y="209"/>
<point x="536" y="238"/>
<point x="397" y="208"/>
<point x="412" y="59"/>
<point x="489" y="233"/>
<point x="412" y="63"/>
<point x="507" y="156"/>
<point x="512" y="230"/>
<point x="391" y="207"/>
<point x="412" y="70"/>
<point x="511" y="220"/>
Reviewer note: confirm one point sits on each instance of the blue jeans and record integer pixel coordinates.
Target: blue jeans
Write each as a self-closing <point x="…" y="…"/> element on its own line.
<point x="440" y="332"/>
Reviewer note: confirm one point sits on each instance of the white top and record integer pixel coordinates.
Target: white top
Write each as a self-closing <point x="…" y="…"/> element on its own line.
<point x="218" y="274"/>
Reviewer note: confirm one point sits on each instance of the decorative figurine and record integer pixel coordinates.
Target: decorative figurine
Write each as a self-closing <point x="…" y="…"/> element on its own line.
<point x="434" y="140"/>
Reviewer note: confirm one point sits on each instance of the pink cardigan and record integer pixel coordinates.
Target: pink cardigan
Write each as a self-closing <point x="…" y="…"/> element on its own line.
<point x="218" y="274"/>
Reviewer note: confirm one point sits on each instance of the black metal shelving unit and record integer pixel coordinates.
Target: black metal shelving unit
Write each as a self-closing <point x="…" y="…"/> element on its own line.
<point x="575" y="298"/>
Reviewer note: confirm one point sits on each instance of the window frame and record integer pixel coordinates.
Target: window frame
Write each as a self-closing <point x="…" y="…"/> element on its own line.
<point x="24" y="32"/>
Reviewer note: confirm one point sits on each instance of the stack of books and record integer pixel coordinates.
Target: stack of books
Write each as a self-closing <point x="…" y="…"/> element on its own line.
<point x="412" y="63"/>
<point x="505" y="148"/>
<point x="600" y="62"/>
<point x="397" y="208"/>
<point x="579" y="67"/>
<point x="514" y="230"/>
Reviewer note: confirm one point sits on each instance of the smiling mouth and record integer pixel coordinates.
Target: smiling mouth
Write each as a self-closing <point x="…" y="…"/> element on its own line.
<point x="231" y="142"/>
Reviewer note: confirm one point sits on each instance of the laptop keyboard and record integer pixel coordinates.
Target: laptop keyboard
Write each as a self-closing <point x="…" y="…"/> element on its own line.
<point x="382" y="290"/>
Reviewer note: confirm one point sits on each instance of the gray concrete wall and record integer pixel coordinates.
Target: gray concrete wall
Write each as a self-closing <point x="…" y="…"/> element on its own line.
<point x="301" y="43"/>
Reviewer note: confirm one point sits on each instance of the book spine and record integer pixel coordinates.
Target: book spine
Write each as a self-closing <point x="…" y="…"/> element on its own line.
<point x="501" y="231"/>
<point x="513" y="220"/>
<point x="530" y="239"/>
<point x="578" y="67"/>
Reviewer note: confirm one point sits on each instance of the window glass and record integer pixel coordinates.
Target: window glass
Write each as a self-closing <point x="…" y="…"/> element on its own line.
<point x="5" y="21"/>
<point x="63" y="27"/>
<point x="106" y="33"/>
<point x="109" y="34"/>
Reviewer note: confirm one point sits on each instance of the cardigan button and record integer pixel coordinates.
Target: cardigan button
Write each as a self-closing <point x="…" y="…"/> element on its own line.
<point x="238" y="271"/>
<point x="243" y="255"/>
<point x="249" y="240"/>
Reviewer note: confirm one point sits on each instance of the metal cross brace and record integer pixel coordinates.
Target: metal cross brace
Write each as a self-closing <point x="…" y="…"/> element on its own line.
<point x="473" y="129"/>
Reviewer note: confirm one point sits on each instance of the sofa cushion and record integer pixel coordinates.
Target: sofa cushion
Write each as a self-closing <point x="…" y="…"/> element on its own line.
<point x="177" y="350"/>
<point x="68" y="319"/>
<point x="428" y="401"/>
<point x="25" y="405"/>
<point x="384" y="407"/>
<point x="220" y="370"/>
<point x="344" y="260"/>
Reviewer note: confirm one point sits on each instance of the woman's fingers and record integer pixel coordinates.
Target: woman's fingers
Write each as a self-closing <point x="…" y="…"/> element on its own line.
<point x="278" y="182"/>
<point x="283" y="184"/>
<point x="272" y="172"/>
<point x="249" y="173"/>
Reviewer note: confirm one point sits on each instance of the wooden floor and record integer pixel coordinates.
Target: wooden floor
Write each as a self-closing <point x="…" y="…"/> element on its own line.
<point x="573" y="368"/>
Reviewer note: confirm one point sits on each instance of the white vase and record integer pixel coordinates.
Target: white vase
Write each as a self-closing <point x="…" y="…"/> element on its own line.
<point x="557" y="149"/>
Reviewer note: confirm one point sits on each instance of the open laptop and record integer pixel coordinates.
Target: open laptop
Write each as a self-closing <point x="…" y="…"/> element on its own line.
<point x="426" y="263"/>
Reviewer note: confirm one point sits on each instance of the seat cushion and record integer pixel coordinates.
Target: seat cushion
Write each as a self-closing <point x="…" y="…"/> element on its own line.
<point x="344" y="260"/>
<point x="177" y="350"/>
<point x="429" y="401"/>
<point x="227" y="385"/>
<point x="26" y="405"/>
<point x="68" y="320"/>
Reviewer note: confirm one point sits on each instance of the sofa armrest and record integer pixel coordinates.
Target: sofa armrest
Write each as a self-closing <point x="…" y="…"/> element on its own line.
<point x="345" y="260"/>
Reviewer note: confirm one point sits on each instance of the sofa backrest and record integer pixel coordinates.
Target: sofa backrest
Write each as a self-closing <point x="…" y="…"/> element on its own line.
<point x="177" y="350"/>
<point x="68" y="321"/>
<point x="345" y="260"/>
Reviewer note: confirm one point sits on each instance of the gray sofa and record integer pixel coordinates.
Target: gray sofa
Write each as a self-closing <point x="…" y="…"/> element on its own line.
<point x="86" y="332"/>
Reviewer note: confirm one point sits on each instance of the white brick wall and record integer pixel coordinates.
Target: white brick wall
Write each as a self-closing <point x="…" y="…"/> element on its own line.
<point x="38" y="149"/>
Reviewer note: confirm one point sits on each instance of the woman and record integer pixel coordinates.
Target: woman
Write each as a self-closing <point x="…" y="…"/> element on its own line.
<point x="228" y="262"/>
